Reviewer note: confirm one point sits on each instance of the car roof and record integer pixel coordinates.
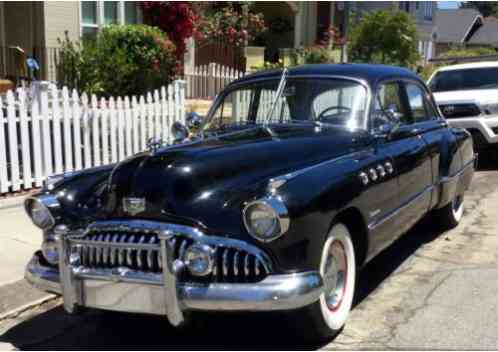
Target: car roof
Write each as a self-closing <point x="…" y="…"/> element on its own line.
<point x="469" y="65"/>
<point x="366" y="72"/>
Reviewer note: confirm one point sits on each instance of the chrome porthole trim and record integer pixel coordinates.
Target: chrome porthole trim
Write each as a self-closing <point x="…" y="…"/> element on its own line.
<point x="381" y="171"/>
<point x="278" y="206"/>
<point x="364" y="178"/>
<point x="389" y="167"/>
<point x="373" y="174"/>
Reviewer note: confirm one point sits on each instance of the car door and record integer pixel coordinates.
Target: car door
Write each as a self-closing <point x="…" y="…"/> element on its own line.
<point x="431" y="127"/>
<point x="406" y="149"/>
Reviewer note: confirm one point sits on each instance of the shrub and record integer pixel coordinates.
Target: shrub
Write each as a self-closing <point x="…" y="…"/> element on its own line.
<point x="122" y="60"/>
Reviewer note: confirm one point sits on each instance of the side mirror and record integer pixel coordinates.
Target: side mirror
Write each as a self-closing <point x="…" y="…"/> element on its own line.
<point x="179" y="131"/>
<point x="194" y="122"/>
<point x="393" y="115"/>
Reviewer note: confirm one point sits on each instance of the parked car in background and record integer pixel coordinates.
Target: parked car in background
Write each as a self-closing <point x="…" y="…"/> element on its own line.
<point x="467" y="95"/>
<point x="294" y="181"/>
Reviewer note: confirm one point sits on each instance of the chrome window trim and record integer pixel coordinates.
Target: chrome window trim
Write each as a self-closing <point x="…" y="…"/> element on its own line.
<point x="237" y="84"/>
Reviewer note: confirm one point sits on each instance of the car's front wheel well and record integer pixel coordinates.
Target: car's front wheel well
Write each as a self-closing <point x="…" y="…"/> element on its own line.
<point x="355" y="223"/>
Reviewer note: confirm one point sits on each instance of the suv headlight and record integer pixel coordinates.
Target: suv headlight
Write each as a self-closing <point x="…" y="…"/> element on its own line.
<point x="266" y="219"/>
<point x="40" y="210"/>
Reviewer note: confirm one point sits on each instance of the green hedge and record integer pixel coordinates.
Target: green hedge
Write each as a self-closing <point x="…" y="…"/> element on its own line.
<point x="122" y="60"/>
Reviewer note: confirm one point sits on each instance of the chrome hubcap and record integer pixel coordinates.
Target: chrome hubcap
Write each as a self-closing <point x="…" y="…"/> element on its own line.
<point x="335" y="277"/>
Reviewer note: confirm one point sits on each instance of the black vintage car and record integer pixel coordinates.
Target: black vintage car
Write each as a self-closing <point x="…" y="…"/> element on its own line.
<point x="293" y="182"/>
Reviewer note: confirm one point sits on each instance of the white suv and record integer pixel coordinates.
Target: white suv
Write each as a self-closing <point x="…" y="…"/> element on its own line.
<point x="467" y="95"/>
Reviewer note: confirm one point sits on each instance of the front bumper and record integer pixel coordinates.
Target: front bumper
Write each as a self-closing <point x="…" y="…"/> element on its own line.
<point x="485" y="125"/>
<point x="132" y="292"/>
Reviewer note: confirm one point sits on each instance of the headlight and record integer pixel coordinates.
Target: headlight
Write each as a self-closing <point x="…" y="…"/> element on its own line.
<point x="40" y="210"/>
<point x="266" y="219"/>
<point x="199" y="259"/>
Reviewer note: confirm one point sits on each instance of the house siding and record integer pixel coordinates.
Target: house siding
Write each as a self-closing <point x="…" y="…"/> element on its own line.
<point x="60" y="17"/>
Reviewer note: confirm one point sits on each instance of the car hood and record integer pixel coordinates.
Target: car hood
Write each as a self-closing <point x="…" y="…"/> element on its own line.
<point x="480" y="96"/>
<point x="207" y="181"/>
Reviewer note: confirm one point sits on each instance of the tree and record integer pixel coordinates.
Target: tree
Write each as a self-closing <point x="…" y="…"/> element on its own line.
<point x="385" y="37"/>
<point x="486" y="8"/>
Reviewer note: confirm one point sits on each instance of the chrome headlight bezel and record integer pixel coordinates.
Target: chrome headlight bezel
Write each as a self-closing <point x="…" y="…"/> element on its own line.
<point x="47" y="204"/>
<point x="277" y="209"/>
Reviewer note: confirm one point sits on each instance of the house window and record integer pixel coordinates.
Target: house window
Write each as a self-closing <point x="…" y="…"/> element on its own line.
<point x="428" y="11"/>
<point x="96" y="14"/>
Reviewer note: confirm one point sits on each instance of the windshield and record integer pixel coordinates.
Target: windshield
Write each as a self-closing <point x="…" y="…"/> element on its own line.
<point x="474" y="78"/>
<point x="303" y="100"/>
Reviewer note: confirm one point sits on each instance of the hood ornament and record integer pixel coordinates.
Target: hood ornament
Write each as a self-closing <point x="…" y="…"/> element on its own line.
<point x="153" y="144"/>
<point x="133" y="206"/>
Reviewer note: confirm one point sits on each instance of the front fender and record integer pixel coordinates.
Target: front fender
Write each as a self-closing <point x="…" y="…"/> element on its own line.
<point x="313" y="198"/>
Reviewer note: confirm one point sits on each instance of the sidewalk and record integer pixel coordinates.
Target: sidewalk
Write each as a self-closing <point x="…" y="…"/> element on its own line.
<point x="19" y="238"/>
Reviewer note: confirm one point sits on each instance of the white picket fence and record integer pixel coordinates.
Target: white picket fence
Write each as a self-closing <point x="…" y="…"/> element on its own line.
<point x="46" y="131"/>
<point x="208" y="80"/>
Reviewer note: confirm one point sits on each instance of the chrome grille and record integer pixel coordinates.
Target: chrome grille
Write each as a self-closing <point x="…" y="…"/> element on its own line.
<point x="140" y="251"/>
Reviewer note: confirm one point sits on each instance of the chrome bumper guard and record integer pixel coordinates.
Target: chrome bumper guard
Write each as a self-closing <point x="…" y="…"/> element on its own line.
<point x="131" y="291"/>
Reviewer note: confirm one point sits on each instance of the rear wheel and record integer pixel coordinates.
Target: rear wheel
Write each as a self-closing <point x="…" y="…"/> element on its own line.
<point x="326" y="317"/>
<point x="451" y="214"/>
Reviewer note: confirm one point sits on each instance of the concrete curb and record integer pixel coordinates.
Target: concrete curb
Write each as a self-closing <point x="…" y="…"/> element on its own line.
<point x="19" y="310"/>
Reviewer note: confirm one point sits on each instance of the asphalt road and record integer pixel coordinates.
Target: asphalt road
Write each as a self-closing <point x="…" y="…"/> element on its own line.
<point x="429" y="290"/>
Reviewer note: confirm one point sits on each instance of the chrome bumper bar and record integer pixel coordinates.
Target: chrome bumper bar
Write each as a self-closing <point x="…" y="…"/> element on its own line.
<point x="130" y="292"/>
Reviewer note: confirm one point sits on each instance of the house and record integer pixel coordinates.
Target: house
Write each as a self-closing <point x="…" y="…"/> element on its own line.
<point x="454" y="27"/>
<point x="486" y="34"/>
<point x="36" y="27"/>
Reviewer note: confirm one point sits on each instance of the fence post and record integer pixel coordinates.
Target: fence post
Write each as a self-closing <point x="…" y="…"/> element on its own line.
<point x="56" y="129"/>
<point x="120" y="118"/>
<point x="211" y="79"/>
<point x="135" y="116"/>
<point x="68" y="140"/>
<point x="104" y="116"/>
<point x="76" y="130"/>
<point x="128" y="126"/>
<point x="13" y="145"/>
<point x="3" y="157"/>
<point x="25" y="143"/>
<point x="94" y="118"/>
<point x="112" y="130"/>
<point x="35" y="133"/>
<point x="46" y="142"/>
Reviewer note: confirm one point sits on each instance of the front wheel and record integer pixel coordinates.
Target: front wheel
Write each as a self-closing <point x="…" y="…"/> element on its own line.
<point x="326" y="317"/>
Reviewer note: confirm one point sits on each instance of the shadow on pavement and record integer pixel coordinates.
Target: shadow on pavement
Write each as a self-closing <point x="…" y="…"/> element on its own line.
<point x="488" y="160"/>
<point x="56" y="330"/>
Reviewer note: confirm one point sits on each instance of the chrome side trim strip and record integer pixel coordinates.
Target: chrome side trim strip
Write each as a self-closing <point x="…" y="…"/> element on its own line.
<point x="447" y="179"/>
<point x="394" y="212"/>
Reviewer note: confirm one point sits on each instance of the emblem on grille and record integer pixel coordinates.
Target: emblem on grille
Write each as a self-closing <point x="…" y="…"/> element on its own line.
<point x="133" y="206"/>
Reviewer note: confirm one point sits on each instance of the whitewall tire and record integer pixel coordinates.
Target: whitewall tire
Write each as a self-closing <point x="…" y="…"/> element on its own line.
<point x="325" y="318"/>
<point x="450" y="215"/>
